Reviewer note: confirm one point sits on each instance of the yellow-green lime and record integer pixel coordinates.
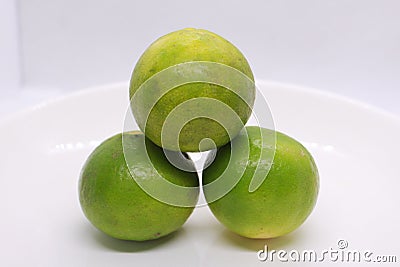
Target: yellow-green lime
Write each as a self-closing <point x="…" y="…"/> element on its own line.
<point x="113" y="201"/>
<point x="212" y="56"/>
<point x="284" y="199"/>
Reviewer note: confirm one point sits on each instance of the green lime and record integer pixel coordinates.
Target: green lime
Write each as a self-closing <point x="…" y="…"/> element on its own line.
<point x="112" y="199"/>
<point x="191" y="64"/>
<point x="284" y="199"/>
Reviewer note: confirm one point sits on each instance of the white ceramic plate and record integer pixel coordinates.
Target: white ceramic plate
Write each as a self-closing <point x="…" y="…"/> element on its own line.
<point x="356" y="148"/>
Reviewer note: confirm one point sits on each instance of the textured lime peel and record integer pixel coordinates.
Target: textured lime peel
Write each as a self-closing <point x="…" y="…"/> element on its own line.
<point x="113" y="201"/>
<point x="190" y="64"/>
<point x="284" y="199"/>
<point x="200" y="107"/>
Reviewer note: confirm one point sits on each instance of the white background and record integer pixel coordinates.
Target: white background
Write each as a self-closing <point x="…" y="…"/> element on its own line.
<point x="50" y="48"/>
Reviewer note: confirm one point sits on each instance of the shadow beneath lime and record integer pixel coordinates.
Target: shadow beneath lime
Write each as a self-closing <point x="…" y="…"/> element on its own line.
<point x="127" y="246"/>
<point x="245" y="243"/>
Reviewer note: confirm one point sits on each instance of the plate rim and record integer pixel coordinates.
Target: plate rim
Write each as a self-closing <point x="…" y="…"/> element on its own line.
<point x="269" y="83"/>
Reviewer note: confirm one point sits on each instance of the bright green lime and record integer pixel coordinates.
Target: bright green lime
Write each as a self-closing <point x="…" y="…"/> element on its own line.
<point x="115" y="204"/>
<point x="282" y="202"/>
<point x="184" y="46"/>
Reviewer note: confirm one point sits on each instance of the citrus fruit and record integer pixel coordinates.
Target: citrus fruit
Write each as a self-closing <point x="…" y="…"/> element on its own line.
<point x="191" y="64"/>
<point x="284" y="199"/>
<point x="112" y="199"/>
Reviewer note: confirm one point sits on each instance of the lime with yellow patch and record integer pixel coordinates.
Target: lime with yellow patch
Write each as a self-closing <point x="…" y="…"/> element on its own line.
<point x="284" y="199"/>
<point x="197" y="64"/>
<point x="114" y="202"/>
